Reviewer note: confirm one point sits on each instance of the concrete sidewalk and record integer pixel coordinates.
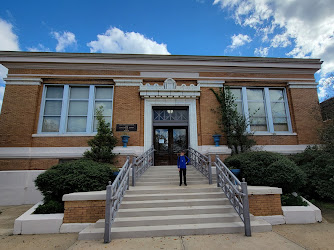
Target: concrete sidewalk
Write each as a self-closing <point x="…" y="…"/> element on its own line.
<point x="311" y="236"/>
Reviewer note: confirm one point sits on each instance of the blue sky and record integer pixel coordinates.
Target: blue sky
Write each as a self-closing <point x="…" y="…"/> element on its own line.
<point x="267" y="28"/>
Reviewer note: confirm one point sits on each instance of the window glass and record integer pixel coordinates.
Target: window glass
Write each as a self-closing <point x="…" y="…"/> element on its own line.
<point x="52" y="107"/>
<point x="78" y="108"/>
<point x="54" y="92"/>
<point x="256" y="109"/>
<point x="106" y="118"/>
<point x="107" y="107"/>
<point x="278" y="109"/>
<point x="76" y="124"/>
<point x="236" y="93"/>
<point x="79" y="93"/>
<point x="103" y="93"/>
<point x="51" y="124"/>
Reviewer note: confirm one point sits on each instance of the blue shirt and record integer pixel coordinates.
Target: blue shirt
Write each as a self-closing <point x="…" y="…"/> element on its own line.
<point x="182" y="162"/>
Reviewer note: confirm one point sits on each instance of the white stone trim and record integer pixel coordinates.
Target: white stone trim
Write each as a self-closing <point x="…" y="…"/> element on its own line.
<point x="128" y="82"/>
<point x="273" y="134"/>
<point x="148" y="119"/>
<point x="22" y="81"/>
<point x="211" y="83"/>
<point x="213" y="150"/>
<point x="59" y="152"/>
<point x="263" y="190"/>
<point x="282" y="149"/>
<point x="63" y="135"/>
<point x="263" y="79"/>
<point x="169" y="74"/>
<point x="85" y="196"/>
<point x="169" y="90"/>
<point x="302" y="85"/>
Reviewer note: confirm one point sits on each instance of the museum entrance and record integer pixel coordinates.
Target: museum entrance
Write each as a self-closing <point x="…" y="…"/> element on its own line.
<point x="170" y="134"/>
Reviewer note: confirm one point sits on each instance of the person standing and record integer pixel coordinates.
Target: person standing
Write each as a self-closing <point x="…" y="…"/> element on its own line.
<point x="182" y="162"/>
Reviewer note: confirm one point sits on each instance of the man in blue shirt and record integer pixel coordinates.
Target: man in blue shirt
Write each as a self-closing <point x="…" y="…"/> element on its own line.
<point x="182" y="162"/>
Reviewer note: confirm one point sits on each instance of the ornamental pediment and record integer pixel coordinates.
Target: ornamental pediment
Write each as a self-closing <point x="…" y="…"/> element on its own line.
<point x="169" y="89"/>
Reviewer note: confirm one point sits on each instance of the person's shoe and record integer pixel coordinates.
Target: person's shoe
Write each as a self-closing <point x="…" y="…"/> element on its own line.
<point x="185" y="184"/>
<point x="181" y="184"/>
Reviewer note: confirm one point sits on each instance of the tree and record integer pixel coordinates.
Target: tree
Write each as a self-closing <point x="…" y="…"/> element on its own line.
<point x="232" y="123"/>
<point x="103" y="142"/>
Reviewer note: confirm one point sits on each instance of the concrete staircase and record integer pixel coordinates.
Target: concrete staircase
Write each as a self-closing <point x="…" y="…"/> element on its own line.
<point x="158" y="206"/>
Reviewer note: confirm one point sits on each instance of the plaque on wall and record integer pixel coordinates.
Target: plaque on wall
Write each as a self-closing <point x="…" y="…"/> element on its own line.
<point x="126" y="127"/>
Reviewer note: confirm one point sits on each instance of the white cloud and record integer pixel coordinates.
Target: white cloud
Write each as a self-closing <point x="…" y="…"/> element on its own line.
<point x="39" y="48"/>
<point x="9" y="40"/>
<point x="65" y="40"/>
<point x="115" y="40"/>
<point x="239" y="40"/>
<point x="2" y="92"/>
<point x="307" y="27"/>
<point x="263" y="52"/>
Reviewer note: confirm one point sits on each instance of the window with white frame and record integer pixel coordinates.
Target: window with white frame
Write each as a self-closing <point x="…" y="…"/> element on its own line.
<point x="266" y="109"/>
<point x="72" y="109"/>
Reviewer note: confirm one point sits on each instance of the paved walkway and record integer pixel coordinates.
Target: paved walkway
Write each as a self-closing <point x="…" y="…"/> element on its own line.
<point x="311" y="236"/>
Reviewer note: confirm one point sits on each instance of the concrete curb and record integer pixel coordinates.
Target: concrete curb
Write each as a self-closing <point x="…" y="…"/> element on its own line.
<point x="29" y="223"/>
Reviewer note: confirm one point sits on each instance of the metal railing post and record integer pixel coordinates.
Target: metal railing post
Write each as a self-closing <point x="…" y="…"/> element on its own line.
<point x="217" y="170"/>
<point x="133" y="171"/>
<point x="210" y="169"/>
<point x="246" y="208"/>
<point x="128" y="181"/>
<point x="107" y="224"/>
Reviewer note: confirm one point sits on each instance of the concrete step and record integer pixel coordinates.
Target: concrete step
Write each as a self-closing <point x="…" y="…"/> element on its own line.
<point x="171" y="220"/>
<point x="174" y="202"/>
<point x="173" y="189"/>
<point x="92" y="233"/>
<point x="173" y="196"/>
<point x="175" y="183"/>
<point x="171" y="178"/>
<point x="179" y="210"/>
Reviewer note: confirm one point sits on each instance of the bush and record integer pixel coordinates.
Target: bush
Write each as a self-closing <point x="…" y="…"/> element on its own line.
<point x="318" y="165"/>
<point x="268" y="169"/>
<point x="75" y="176"/>
<point x="50" y="207"/>
<point x="291" y="200"/>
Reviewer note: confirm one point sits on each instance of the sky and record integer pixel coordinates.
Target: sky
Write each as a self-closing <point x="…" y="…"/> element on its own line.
<point x="261" y="28"/>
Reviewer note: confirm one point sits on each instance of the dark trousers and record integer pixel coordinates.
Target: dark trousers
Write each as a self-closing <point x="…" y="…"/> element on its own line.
<point x="183" y="171"/>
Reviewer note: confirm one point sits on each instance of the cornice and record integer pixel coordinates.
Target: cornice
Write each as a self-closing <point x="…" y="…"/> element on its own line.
<point x="22" y="81"/>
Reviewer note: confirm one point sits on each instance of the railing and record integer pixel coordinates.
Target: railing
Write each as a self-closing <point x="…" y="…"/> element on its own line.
<point x="141" y="163"/>
<point x="114" y="197"/>
<point x="235" y="191"/>
<point x="201" y="162"/>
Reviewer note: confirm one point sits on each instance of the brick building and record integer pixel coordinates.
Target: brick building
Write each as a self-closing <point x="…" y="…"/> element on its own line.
<point x="162" y="100"/>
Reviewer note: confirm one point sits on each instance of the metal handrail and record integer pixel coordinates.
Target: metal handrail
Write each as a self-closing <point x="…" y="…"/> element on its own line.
<point x="235" y="191"/>
<point x="141" y="163"/>
<point x="201" y="162"/>
<point x="114" y="197"/>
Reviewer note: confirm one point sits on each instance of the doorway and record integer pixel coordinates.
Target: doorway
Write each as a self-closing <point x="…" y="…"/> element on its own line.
<point x="168" y="142"/>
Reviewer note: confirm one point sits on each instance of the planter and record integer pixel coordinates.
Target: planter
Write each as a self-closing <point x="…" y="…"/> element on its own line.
<point x="236" y="172"/>
<point x="216" y="139"/>
<point x="115" y="173"/>
<point x="125" y="140"/>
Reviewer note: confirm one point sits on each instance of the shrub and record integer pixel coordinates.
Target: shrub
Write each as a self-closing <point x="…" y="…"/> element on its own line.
<point x="291" y="200"/>
<point x="268" y="169"/>
<point x="50" y="207"/>
<point x="318" y="165"/>
<point x="75" y="176"/>
<point x="103" y="142"/>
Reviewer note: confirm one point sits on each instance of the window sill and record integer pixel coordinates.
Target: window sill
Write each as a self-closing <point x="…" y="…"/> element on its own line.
<point x="62" y="135"/>
<point x="273" y="134"/>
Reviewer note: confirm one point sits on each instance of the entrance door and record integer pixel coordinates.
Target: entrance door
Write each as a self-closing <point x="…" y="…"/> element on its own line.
<point x="168" y="142"/>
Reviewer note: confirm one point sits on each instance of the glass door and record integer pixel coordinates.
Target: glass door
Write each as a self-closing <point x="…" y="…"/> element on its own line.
<point x="168" y="142"/>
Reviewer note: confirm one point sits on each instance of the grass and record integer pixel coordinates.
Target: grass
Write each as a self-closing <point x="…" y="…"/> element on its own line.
<point x="327" y="209"/>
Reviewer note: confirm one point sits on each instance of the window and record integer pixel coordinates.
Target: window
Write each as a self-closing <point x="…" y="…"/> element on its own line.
<point x="266" y="109"/>
<point x="71" y="109"/>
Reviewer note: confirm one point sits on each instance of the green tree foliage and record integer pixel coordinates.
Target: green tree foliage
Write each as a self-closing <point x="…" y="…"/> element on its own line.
<point x="268" y="169"/>
<point x="103" y="142"/>
<point x="232" y="123"/>
<point x="318" y="165"/>
<point x="74" y="176"/>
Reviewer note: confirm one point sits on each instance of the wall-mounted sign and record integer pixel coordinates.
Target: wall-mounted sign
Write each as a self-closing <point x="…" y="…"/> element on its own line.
<point x="126" y="127"/>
